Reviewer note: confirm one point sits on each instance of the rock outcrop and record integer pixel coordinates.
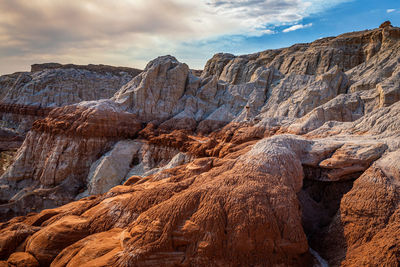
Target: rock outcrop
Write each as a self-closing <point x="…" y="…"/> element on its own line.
<point x="82" y="132"/>
<point x="285" y="157"/>
<point x="25" y="97"/>
<point x="101" y="69"/>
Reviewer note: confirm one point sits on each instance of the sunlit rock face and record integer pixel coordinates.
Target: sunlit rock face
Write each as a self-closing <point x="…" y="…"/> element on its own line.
<point x="285" y="157"/>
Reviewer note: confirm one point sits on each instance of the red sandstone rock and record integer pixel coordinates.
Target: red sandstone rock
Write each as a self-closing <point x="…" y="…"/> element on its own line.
<point x="22" y="259"/>
<point x="46" y="244"/>
<point x="202" y="214"/>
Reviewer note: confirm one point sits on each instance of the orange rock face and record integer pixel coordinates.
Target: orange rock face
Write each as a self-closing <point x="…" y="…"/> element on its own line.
<point x="22" y="259"/>
<point x="212" y="211"/>
<point x="367" y="229"/>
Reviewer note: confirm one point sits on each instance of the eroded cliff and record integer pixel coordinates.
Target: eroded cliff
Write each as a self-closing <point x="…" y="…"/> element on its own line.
<point x="27" y="96"/>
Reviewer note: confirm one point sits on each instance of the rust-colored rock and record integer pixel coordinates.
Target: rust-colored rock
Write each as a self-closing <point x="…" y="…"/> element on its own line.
<point x="22" y="259"/>
<point x="385" y="24"/>
<point x="366" y="231"/>
<point x="132" y="180"/>
<point x="199" y="214"/>
<point x="46" y="244"/>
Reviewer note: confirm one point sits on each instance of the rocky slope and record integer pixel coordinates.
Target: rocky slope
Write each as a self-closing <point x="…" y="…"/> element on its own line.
<point x="27" y="96"/>
<point x="277" y="158"/>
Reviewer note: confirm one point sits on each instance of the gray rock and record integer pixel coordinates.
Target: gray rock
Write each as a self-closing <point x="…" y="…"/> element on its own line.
<point x="111" y="169"/>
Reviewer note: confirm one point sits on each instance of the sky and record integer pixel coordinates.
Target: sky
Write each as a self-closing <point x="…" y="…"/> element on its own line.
<point x="133" y="32"/>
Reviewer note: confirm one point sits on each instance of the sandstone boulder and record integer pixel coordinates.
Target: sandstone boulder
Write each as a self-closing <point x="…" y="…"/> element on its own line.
<point x="46" y="244"/>
<point x="22" y="259"/>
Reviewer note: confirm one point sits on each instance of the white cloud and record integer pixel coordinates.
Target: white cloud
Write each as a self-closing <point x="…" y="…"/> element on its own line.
<point x="268" y="32"/>
<point x="131" y="32"/>
<point x="390" y="10"/>
<point x="297" y="27"/>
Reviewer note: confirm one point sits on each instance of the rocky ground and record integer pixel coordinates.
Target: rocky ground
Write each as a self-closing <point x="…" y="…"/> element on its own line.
<point x="286" y="157"/>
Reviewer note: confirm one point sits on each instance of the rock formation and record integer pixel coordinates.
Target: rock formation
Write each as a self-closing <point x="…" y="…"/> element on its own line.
<point x="286" y="157"/>
<point x="27" y="96"/>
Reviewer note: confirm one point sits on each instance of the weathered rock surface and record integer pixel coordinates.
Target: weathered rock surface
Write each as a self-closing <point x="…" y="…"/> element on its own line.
<point x="82" y="132"/>
<point x="25" y="97"/>
<point x="22" y="259"/>
<point x="112" y="167"/>
<point x="166" y="92"/>
<point x="346" y="51"/>
<point x="262" y="160"/>
<point x="102" y="69"/>
<point x="366" y="230"/>
<point x="206" y="214"/>
<point x="9" y="139"/>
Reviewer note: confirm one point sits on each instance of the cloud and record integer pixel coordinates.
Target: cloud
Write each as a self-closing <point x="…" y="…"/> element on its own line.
<point x="132" y="32"/>
<point x="297" y="27"/>
<point x="268" y="31"/>
<point x="390" y="10"/>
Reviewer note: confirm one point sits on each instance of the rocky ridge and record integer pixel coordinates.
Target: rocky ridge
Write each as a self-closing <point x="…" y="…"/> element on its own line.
<point x="27" y="96"/>
<point x="262" y="160"/>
